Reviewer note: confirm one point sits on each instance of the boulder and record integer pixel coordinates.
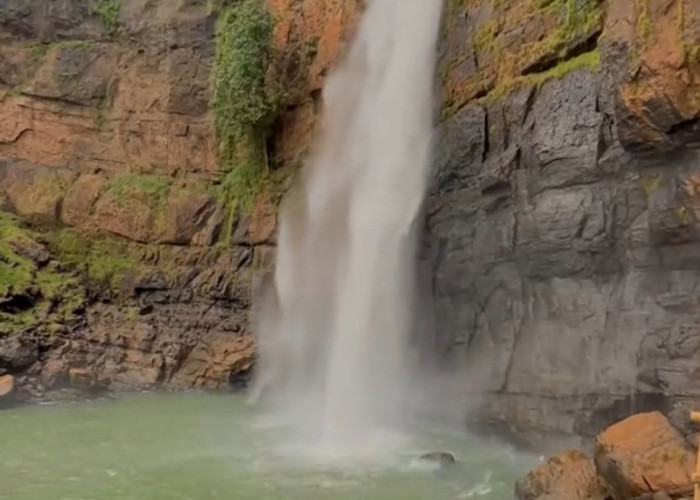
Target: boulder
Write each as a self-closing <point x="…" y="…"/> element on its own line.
<point x="17" y="354"/>
<point x="7" y="390"/>
<point x="569" y="476"/>
<point x="644" y="454"/>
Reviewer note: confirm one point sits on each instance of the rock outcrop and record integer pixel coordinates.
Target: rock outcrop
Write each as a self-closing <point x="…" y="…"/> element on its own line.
<point x="644" y="454"/>
<point x="561" y="228"/>
<point x="569" y="476"/>
<point x="641" y="457"/>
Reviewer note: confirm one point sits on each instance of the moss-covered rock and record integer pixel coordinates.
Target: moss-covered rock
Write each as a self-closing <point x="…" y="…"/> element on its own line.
<point x="34" y="289"/>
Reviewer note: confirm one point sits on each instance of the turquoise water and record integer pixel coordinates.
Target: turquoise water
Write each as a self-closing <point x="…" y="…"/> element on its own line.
<point x="210" y="447"/>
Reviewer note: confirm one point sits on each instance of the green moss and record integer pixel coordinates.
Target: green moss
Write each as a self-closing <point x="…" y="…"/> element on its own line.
<point x="57" y="294"/>
<point x="108" y="12"/>
<point x="104" y="261"/>
<point x="588" y="60"/>
<point x="485" y="38"/>
<point x="38" y="49"/>
<point x="132" y="313"/>
<point x="643" y="26"/>
<point x="573" y="23"/>
<point x="62" y="289"/>
<point x="152" y="188"/>
<point x="16" y="272"/>
<point x="243" y="103"/>
<point x="577" y="18"/>
<point x="651" y="183"/>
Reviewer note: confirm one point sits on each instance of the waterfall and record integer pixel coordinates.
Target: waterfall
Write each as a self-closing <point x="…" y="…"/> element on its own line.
<point x="334" y="334"/>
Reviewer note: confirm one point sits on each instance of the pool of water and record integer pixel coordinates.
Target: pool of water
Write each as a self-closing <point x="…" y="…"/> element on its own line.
<point x="210" y="447"/>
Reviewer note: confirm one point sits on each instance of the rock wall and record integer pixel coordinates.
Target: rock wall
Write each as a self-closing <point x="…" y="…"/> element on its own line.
<point x="562" y="225"/>
<point x="108" y="157"/>
<point x="561" y="230"/>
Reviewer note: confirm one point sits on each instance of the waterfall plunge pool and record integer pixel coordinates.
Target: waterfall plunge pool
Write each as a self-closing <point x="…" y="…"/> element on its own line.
<point x="211" y="447"/>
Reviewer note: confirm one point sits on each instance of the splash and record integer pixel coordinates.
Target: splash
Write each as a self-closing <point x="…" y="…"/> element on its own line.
<point x="334" y="335"/>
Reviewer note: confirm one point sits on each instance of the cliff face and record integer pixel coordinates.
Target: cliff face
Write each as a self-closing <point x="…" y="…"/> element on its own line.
<point x="561" y="231"/>
<point x="136" y="272"/>
<point x="562" y="227"/>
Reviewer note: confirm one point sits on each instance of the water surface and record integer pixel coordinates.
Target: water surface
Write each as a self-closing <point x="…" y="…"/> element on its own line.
<point x="210" y="447"/>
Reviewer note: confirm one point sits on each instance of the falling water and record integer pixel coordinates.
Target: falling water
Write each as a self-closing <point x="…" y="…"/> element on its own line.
<point x="334" y="334"/>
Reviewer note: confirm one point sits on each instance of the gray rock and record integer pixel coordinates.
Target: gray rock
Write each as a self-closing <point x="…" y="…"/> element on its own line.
<point x="564" y="274"/>
<point x="17" y="354"/>
<point x="440" y="458"/>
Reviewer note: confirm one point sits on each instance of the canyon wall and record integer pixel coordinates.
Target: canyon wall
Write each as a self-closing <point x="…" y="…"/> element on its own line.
<point x="562" y="226"/>
<point x="561" y="231"/>
<point x="122" y="266"/>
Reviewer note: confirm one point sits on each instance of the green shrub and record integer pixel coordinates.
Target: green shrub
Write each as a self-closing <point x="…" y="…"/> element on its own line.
<point x="243" y="103"/>
<point x="108" y="12"/>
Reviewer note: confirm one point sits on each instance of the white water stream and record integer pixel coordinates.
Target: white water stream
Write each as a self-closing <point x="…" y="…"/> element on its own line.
<point x="334" y="337"/>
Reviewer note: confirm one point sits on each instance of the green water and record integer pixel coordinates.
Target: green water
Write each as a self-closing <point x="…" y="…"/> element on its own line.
<point x="206" y="447"/>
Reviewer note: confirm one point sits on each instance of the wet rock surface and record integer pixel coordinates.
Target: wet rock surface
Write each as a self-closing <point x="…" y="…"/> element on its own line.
<point x="641" y="457"/>
<point x="561" y="231"/>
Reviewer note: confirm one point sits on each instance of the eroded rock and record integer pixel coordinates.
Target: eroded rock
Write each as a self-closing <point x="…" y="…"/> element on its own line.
<point x="643" y="454"/>
<point x="569" y="476"/>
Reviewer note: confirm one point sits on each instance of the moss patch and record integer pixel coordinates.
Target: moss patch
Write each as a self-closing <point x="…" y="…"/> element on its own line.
<point x="151" y="188"/>
<point x="16" y="272"/>
<point x="566" y="27"/>
<point x="643" y="25"/>
<point x="103" y="261"/>
<point x="243" y="102"/>
<point x="47" y="293"/>
<point x="108" y="12"/>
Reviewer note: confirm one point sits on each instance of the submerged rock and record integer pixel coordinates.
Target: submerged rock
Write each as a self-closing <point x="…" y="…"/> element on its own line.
<point x="440" y="458"/>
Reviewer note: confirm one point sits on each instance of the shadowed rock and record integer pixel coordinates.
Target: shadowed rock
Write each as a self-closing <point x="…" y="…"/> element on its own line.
<point x="440" y="458"/>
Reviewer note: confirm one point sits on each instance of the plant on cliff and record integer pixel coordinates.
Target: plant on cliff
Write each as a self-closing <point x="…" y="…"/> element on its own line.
<point x="108" y="12"/>
<point x="103" y="261"/>
<point x="32" y="289"/>
<point x="244" y="104"/>
<point x="152" y="187"/>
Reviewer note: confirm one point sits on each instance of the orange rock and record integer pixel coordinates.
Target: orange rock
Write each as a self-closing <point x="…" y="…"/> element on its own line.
<point x="210" y="365"/>
<point x="7" y="387"/>
<point x="263" y="222"/>
<point x="660" y="85"/>
<point x="80" y="199"/>
<point x="569" y="476"/>
<point x="643" y="454"/>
